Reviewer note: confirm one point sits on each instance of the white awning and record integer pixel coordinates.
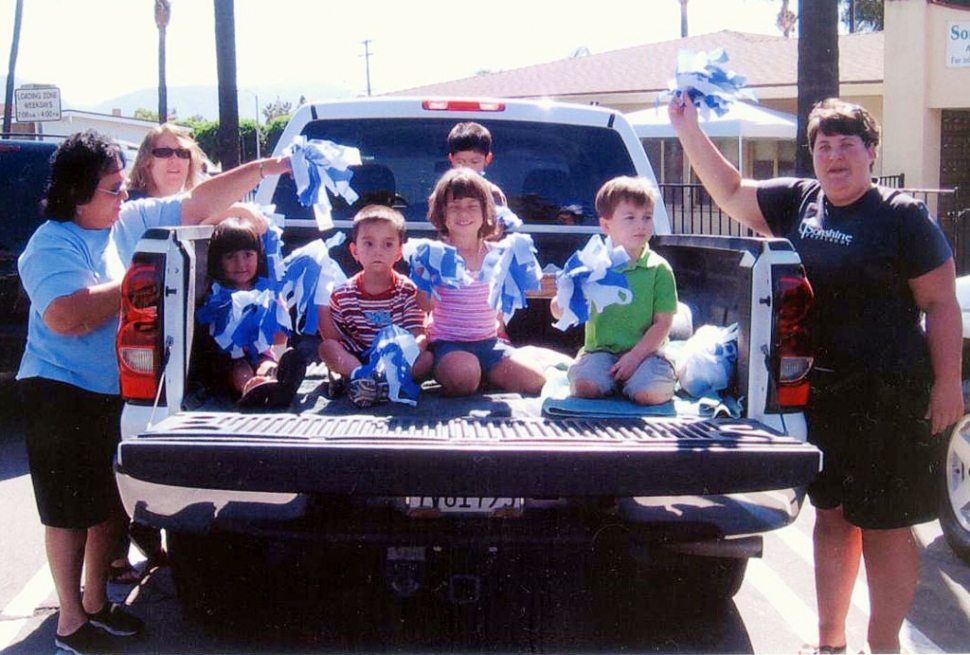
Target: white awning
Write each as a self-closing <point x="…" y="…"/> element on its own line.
<point x="741" y="121"/>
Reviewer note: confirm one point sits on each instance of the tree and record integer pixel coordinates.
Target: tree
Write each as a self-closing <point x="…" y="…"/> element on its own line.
<point x="163" y="12"/>
<point x="225" y="18"/>
<point x="277" y="108"/>
<point x="818" y="68"/>
<point x="863" y="15"/>
<point x="146" y="115"/>
<point x="786" y="19"/>
<point x="12" y="69"/>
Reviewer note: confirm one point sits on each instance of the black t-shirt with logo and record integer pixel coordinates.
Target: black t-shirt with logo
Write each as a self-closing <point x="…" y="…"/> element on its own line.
<point x="859" y="259"/>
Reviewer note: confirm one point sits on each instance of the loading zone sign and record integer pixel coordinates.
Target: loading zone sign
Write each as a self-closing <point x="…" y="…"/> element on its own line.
<point x="958" y="44"/>
<point x="38" y="103"/>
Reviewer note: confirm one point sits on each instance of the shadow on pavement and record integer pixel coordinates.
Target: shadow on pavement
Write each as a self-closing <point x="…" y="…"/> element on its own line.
<point x="944" y="583"/>
<point x="303" y="608"/>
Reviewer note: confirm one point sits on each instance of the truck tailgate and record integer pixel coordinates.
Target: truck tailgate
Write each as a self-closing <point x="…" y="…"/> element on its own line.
<point x="527" y="457"/>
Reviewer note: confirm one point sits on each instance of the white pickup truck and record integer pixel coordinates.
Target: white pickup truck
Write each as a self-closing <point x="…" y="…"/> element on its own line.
<point x="434" y="495"/>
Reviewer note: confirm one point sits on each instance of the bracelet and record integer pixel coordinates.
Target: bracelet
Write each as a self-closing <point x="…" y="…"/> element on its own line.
<point x="262" y="175"/>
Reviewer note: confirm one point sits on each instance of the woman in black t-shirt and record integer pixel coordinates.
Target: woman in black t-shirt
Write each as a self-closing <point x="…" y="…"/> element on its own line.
<point x="882" y="388"/>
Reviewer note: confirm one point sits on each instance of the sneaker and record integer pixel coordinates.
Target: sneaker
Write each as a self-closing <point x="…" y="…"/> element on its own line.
<point x="362" y="391"/>
<point x="382" y="389"/>
<point x="290" y="373"/>
<point x="86" y="639"/>
<point x="113" y="619"/>
<point x="811" y="649"/>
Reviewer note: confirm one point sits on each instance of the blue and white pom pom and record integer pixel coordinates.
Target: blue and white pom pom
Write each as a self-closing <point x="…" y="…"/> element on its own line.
<point x="434" y="264"/>
<point x="707" y="84"/>
<point x="511" y="269"/>
<point x="309" y="280"/>
<point x="245" y="322"/>
<point x="319" y="166"/>
<point x="589" y="279"/>
<point x="507" y="219"/>
<point x="392" y="355"/>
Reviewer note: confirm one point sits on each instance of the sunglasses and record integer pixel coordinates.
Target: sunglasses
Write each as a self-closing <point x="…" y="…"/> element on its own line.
<point x="115" y="192"/>
<point x="165" y="153"/>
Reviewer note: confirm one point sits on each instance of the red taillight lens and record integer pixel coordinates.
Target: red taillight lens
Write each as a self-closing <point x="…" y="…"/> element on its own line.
<point x="462" y="105"/>
<point x="139" y="340"/>
<point x="794" y="352"/>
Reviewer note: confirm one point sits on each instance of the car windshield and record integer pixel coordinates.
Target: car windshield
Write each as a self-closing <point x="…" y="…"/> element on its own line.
<point x="542" y="168"/>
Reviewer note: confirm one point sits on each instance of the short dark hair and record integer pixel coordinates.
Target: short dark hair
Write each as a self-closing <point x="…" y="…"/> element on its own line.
<point x="77" y="167"/>
<point x="230" y="235"/>
<point x="379" y="214"/>
<point x="462" y="183"/>
<point x="469" y="136"/>
<point x="834" y="116"/>
<point x="638" y="190"/>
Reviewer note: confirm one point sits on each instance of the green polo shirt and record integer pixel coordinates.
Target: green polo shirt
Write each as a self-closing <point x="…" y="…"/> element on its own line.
<point x="619" y="327"/>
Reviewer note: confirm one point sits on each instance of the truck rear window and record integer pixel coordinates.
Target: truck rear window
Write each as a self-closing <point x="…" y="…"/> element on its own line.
<point x="542" y="168"/>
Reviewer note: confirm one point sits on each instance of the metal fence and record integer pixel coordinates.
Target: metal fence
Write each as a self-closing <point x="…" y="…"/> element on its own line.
<point x="692" y="211"/>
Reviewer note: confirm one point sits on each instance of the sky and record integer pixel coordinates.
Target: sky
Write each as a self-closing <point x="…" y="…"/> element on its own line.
<point x="96" y="50"/>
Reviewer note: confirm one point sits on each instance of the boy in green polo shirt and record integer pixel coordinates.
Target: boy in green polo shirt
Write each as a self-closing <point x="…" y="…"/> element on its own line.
<point x="623" y="344"/>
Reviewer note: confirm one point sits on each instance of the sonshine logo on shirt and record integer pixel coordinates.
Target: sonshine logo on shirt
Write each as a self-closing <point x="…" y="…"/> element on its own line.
<point x="810" y="229"/>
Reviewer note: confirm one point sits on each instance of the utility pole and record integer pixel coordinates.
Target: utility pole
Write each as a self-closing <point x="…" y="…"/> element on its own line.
<point x="367" y="54"/>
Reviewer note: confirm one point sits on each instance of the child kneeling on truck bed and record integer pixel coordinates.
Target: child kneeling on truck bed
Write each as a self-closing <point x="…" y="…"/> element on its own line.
<point x="623" y="342"/>
<point x="378" y="296"/>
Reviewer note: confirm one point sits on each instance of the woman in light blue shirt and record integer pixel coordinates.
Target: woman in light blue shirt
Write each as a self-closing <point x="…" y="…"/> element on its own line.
<point x="72" y="270"/>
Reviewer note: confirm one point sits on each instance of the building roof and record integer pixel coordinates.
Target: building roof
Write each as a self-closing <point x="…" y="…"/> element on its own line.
<point x="766" y="61"/>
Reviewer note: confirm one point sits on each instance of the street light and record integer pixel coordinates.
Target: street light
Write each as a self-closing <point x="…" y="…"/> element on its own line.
<point x="256" y="98"/>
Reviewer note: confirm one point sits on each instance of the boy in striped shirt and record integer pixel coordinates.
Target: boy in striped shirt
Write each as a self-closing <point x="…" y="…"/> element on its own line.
<point x="372" y="299"/>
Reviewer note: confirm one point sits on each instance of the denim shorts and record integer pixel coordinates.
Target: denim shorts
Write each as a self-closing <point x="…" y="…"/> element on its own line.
<point x="489" y="352"/>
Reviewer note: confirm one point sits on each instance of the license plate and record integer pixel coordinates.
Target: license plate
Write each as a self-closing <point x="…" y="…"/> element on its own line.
<point x="439" y="505"/>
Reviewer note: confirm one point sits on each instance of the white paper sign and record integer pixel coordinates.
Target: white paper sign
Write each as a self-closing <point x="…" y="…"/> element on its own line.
<point x="958" y="44"/>
<point x="36" y="104"/>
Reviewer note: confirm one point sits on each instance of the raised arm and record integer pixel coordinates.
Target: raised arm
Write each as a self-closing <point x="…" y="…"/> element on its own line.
<point x="735" y="195"/>
<point x="217" y="193"/>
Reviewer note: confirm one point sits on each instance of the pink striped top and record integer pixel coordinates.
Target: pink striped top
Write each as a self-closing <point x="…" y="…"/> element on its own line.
<point x="463" y="314"/>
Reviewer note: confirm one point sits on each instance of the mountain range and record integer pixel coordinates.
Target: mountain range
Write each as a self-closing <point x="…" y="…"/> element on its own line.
<point x="192" y="101"/>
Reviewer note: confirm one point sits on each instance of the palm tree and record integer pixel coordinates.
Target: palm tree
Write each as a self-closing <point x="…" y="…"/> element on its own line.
<point x="228" y="148"/>
<point x="818" y="67"/>
<point x="11" y="71"/>
<point x="163" y="12"/>
<point x="786" y="19"/>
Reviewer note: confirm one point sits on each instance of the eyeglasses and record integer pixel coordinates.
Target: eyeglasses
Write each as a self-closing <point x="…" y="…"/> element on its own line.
<point x="165" y="153"/>
<point x="122" y="188"/>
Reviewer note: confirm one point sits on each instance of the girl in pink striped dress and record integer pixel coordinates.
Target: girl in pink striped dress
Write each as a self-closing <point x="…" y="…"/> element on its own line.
<point x="466" y="335"/>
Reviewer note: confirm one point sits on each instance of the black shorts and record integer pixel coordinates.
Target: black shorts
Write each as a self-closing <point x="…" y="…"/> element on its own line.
<point x="72" y="435"/>
<point x="880" y="462"/>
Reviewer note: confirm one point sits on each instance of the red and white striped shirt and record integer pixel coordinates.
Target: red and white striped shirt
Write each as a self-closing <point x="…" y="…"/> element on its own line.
<point x="359" y="316"/>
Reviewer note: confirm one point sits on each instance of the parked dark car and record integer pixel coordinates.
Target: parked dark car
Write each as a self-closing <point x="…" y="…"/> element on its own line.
<point x="24" y="168"/>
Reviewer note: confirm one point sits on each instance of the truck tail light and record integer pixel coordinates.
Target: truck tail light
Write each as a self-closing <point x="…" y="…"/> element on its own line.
<point x="794" y="351"/>
<point x="139" y="339"/>
<point x="462" y="105"/>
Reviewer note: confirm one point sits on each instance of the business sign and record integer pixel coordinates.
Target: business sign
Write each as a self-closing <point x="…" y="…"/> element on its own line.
<point x="958" y="44"/>
<point x="38" y="103"/>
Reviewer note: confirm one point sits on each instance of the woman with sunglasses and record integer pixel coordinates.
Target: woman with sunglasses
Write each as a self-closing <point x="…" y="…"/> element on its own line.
<point x="72" y="269"/>
<point x="168" y="162"/>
